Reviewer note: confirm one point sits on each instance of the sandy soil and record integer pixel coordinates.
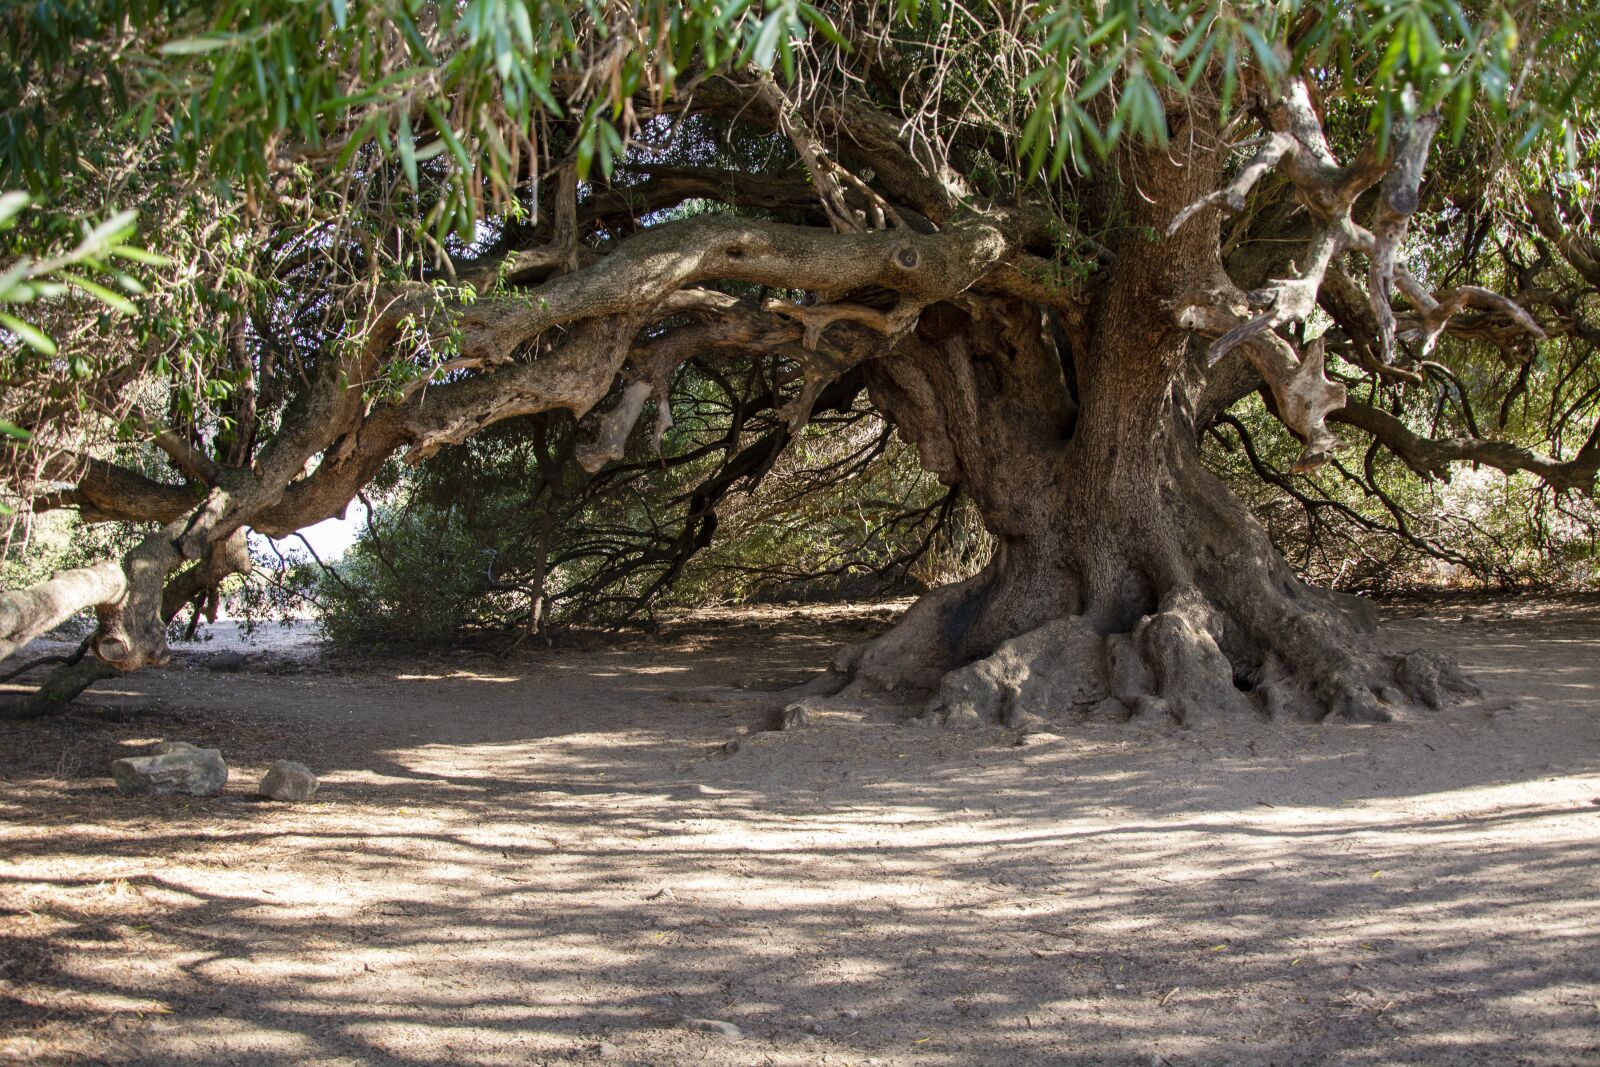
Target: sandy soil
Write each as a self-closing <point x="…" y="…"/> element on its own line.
<point x="552" y="858"/>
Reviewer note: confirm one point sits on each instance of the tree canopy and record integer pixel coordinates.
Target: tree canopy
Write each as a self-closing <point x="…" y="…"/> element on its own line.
<point x="1057" y="247"/>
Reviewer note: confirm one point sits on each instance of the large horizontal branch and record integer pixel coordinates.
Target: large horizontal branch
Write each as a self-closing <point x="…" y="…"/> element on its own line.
<point x="660" y="186"/>
<point x="1431" y="458"/>
<point x="106" y="492"/>
<point x="646" y="267"/>
<point x="27" y="613"/>
<point x="585" y="323"/>
<point x="635" y="192"/>
<point x="723" y="323"/>
<point x="1043" y="282"/>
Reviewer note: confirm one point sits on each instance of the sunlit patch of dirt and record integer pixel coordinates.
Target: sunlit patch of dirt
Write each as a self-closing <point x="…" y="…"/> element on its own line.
<point x="554" y="856"/>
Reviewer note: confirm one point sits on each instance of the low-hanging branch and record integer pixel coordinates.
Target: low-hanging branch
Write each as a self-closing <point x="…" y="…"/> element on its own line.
<point x="939" y="216"/>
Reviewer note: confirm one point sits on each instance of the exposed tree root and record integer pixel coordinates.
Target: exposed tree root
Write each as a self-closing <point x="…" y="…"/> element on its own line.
<point x="59" y="690"/>
<point x="1189" y="662"/>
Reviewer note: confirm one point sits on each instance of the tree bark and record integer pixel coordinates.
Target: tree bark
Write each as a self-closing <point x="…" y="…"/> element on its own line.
<point x="27" y="613"/>
<point x="59" y="690"/>
<point x="1128" y="581"/>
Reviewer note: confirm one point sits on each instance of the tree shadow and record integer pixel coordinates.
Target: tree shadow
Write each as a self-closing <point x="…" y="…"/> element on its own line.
<point x="566" y="865"/>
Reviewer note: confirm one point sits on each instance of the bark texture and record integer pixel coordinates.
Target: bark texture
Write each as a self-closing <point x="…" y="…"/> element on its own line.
<point x="1129" y="583"/>
<point x="1059" y="379"/>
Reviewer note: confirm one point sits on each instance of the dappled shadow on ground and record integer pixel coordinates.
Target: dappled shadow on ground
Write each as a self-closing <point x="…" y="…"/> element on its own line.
<point x="557" y="861"/>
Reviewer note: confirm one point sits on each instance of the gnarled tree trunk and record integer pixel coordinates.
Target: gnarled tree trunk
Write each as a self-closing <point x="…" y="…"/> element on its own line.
<point x="1128" y="581"/>
<point x="1066" y="403"/>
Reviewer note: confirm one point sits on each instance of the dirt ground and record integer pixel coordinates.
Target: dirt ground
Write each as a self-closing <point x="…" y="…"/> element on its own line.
<point x="552" y="858"/>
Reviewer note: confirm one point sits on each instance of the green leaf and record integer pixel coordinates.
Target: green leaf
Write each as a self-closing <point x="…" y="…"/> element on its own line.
<point x="213" y="42"/>
<point x="111" y="230"/>
<point x="436" y="116"/>
<point x="101" y="293"/>
<point x="190" y="46"/>
<point x="586" y="145"/>
<point x="765" y="45"/>
<point x="823" y="25"/>
<point x="408" y="151"/>
<point x="32" y="335"/>
<point x="11" y="204"/>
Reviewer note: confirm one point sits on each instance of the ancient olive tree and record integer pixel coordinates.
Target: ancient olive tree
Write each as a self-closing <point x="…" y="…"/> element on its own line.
<point x="1054" y="244"/>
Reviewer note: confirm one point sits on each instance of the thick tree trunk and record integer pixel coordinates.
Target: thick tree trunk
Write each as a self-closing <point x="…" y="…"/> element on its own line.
<point x="1128" y="582"/>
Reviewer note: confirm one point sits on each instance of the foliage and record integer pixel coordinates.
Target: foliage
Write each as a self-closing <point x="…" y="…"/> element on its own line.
<point x="508" y="534"/>
<point x="1366" y="524"/>
<point x="302" y="167"/>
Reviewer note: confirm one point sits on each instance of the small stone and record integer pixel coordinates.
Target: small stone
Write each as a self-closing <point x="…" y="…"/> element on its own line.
<point x="287" y="780"/>
<point x="227" y="662"/>
<point x="200" y="773"/>
<point x="849" y="1013"/>
<point x="795" y="716"/>
<point x="713" y="1026"/>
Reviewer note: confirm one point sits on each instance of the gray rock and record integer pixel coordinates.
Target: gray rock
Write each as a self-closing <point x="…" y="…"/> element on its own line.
<point x="200" y="772"/>
<point x="713" y="1026"/>
<point x="226" y="662"/>
<point x="166" y="748"/>
<point x="796" y="716"/>
<point x="287" y="780"/>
